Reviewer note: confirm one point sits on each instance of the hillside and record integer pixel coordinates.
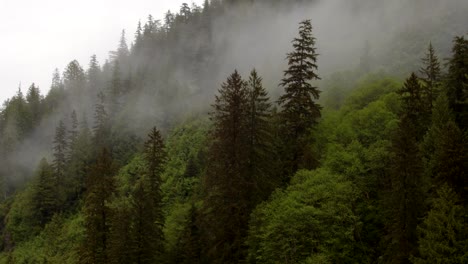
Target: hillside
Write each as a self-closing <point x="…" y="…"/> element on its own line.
<point x="249" y="131"/>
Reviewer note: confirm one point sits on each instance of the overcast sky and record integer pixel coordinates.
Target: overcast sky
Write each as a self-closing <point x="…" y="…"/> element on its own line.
<point x="39" y="36"/>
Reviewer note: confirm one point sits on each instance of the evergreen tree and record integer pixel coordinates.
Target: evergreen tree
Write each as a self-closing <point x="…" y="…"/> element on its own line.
<point x="79" y="157"/>
<point x="115" y="90"/>
<point x="405" y="200"/>
<point x="96" y="210"/>
<point x="147" y="224"/>
<point x="60" y="151"/>
<point x="148" y="196"/>
<point x="93" y="75"/>
<point x="413" y="107"/>
<point x="445" y="150"/>
<point x="189" y="248"/>
<point x="101" y="128"/>
<point x="226" y="184"/>
<point x="56" y="93"/>
<point x="443" y="234"/>
<point x="73" y="76"/>
<point x="260" y="138"/>
<point x="457" y="82"/>
<point x="300" y="111"/>
<point x="431" y="77"/>
<point x="45" y="200"/>
<point x="34" y="100"/>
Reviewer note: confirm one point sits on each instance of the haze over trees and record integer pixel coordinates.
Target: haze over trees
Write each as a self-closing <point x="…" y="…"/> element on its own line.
<point x="141" y="160"/>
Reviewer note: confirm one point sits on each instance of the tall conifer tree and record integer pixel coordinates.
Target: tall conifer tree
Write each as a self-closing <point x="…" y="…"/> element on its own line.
<point x="300" y="110"/>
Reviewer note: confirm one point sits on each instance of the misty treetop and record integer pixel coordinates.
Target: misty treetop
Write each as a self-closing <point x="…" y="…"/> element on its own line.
<point x="149" y="157"/>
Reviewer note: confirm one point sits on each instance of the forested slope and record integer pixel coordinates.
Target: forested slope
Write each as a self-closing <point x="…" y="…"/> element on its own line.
<point x="199" y="143"/>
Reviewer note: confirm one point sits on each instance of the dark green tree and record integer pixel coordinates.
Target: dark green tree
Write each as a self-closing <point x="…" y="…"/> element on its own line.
<point x="96" y="210"/>
<point x="227" y="184"/>
<point x="60" y="151"/>
<point x="148" y="196"/>
<point x="300" y="110"/>
<point x="45" y="200"/>
<point x="404" y="201"/>
<point x="413" y="106"/>
<point x="101" y="128"/>
<point x="260" y="139"/>
<point x="431" y="76"/>
<point x="457" y="82"/>
<point x="35" y="111"/>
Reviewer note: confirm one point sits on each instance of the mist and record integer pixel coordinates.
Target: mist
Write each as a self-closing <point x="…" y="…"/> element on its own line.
<point x="176" y="83"/>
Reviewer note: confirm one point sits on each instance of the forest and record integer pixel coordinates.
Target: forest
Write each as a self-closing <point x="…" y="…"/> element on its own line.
<point x="214" y="136"/>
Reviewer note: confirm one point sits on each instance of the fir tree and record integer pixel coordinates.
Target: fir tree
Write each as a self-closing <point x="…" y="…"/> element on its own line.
<point x="300" y="111"/>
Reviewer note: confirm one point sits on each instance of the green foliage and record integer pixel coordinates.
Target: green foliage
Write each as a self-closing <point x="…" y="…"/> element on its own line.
<point x="309" y="221"/>
<point x="443" y="233"/>
<point x="57" y="243"/>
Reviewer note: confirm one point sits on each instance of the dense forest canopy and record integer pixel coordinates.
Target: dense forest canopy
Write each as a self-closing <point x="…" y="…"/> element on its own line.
<point x="249" y="131"/>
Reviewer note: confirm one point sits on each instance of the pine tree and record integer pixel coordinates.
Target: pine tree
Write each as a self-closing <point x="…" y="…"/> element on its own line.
<point x="457" y="83"/>
<point x="431" y="77"/>
<point x="96" y="210"/>
<point x="443" y="234"/>
<point x="300" y="111"/>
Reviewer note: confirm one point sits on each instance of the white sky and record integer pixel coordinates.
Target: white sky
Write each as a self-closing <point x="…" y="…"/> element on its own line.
<point x="37" y="36"/>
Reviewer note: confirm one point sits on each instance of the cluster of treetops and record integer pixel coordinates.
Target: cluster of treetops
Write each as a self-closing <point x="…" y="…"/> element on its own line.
<point x="381" y="178"/>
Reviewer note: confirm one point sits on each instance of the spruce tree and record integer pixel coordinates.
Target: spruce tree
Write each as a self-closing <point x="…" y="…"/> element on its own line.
<point x="96" y="210"/>
<point x="300" y="110"/>
<point x="227" y="184"/>
<point x="148" y="196"/>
